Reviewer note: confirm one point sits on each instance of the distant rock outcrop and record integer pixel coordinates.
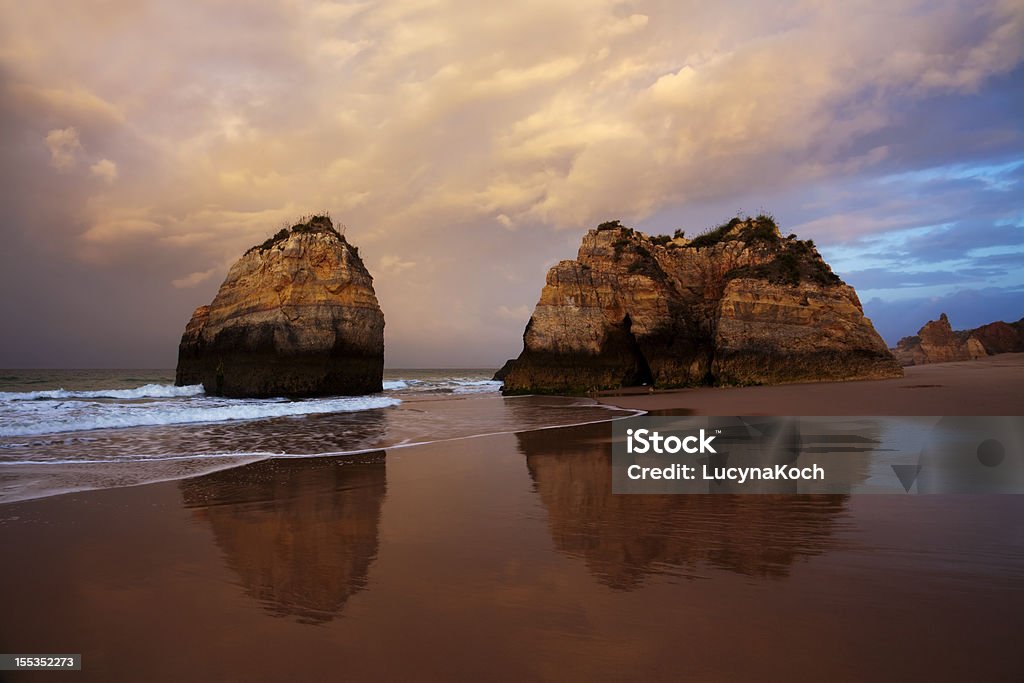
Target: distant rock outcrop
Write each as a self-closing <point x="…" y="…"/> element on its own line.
<point x="738" y="305"/>
<point x="938" y="342"/>
<point x="1001" y="337"/>
<point x="296" y="316"/>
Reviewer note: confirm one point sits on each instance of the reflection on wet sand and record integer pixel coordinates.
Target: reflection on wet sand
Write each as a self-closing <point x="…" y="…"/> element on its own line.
<point x="625" y="538"/>
<point x="300" y="534"/>
<point x="472" y="571"/>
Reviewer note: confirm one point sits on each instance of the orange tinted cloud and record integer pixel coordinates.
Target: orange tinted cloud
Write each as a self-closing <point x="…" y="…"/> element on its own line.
<point x="432" y="128"/>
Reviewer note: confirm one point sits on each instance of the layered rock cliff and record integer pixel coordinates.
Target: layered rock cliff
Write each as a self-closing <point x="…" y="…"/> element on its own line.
<point x="938" y="342"/>
<point x="738" y="305"/>
<point x="295" y="316"/>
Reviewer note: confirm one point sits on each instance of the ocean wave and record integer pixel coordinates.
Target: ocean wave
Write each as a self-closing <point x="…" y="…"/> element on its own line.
<point x="75" y="416"/>
<point x="627" y="413"/>
<point x="147" y="391"/>
<point x="450" y="385"/>
<point x="476" y="386"/>
<point x="45" y="465"/>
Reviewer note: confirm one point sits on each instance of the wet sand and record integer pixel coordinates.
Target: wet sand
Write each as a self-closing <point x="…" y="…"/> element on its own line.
<point x="507" y="558"/>
<point x="989" y="386"/>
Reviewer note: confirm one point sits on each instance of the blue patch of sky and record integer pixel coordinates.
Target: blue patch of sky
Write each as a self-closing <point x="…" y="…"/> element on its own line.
<point x="994" y="176"/>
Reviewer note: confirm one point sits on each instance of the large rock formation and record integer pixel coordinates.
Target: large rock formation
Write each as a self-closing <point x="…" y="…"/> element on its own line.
<point x="296" y="316"/>
<point x="738" y="305"/>
<point x="938" y="342"/>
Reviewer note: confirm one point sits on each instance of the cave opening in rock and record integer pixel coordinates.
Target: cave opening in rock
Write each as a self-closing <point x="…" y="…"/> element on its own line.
<point x="642" y="374"/>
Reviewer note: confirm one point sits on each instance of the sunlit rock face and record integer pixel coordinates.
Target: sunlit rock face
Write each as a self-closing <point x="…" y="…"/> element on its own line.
<point x="739" y="305"/>
<point x="296" y="316"/>
<point x="938" y="342"/>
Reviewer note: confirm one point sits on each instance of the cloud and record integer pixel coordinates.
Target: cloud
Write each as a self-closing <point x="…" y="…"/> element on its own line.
<point x="390" y="263"/>
<point x="466" y="147"/>
<point x="193" y="279"/>
<point x="105" y="169"/>
<point x="113" y="224"/>
<point x="519" y="313"/>
<point x="64" y="148"/>
<point x="927" y="232"/>
<point x="75" y="103"/>
<point x="884" y="278"/>
<point x="115" y="231"/>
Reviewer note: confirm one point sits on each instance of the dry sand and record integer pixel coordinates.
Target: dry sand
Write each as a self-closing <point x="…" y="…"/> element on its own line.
<point x="990" y="386"/>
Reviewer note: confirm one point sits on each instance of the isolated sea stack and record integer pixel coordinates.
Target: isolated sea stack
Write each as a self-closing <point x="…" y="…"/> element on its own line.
<point x="738" y="305"/>
<point x="296" y="316"/>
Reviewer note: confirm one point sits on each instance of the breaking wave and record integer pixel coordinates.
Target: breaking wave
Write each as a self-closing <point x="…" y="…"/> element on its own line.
<point x="146" y="391"/>
<point x="38" y="417"/>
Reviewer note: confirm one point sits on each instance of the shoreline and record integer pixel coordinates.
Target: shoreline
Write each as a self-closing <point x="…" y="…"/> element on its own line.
<point x="987" y="386"/>
<point x="86" y="476"/>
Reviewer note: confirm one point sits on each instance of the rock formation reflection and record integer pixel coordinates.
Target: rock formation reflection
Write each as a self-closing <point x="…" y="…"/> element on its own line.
<point x="300" y="534"/>
<point x="625" y="538"/>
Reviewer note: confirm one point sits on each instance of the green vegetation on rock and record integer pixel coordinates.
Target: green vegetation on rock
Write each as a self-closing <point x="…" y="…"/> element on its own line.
<point x="306" y="224"/>
<point x="798" y="261"/>
<point x="760" y="228"/>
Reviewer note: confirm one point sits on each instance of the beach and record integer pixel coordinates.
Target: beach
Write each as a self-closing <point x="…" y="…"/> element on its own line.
<point x="507" y="557"/>
<point x="987" y="386"/>
<point x="527" y="341"/>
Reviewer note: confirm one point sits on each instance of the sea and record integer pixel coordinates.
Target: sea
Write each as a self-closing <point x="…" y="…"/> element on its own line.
<point x="74" y="430"/>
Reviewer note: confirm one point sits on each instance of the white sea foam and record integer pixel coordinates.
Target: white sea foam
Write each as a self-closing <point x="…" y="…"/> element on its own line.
<point x="45" y="447"/>
<point x="147" y="391"/>
<point x="48" y="417"/>
<point x="454" y="385"/>
<point x="476" y="386"/>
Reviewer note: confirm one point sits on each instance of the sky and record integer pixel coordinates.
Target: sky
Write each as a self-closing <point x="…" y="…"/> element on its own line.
<point x="467" y="147"/>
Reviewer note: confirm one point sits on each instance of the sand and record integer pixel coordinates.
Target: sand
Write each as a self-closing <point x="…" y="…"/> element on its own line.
<point x="990" y="386"/>
<point x="507" y="557"/>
